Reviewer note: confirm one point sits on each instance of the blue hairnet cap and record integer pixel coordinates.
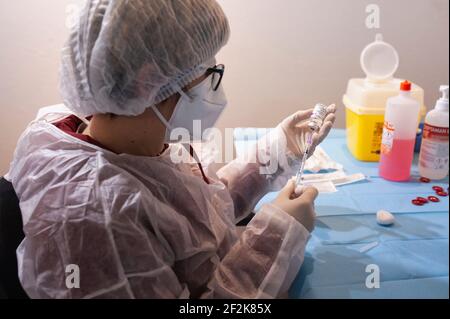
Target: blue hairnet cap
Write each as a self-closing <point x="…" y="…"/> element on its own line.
<point x="125" y="56"/>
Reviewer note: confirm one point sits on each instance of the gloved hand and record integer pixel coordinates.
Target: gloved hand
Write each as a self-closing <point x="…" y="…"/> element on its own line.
<point x="301" y="207"/>
<point x="274" y="160"/>
<point x="295" y="128"/>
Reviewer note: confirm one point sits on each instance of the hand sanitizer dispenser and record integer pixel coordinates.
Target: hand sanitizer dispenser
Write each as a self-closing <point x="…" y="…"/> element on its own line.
<point x="434" y="157"/>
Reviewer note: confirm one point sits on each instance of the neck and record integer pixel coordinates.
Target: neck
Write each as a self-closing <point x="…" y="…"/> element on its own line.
<point x="141" y="136"/>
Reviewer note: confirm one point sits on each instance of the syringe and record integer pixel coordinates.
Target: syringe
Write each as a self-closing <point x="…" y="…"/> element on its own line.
<point x="298" y="178"/>
<point x="317" y="118"/>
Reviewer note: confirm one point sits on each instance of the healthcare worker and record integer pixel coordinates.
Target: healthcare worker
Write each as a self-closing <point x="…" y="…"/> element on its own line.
<point x="104" y="203"/>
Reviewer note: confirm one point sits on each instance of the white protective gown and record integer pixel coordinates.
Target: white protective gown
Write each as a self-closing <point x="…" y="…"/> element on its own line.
<point x="140" y="227"/>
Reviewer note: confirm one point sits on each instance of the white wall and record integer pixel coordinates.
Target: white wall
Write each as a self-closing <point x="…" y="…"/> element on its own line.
<point x="283" y="55"/>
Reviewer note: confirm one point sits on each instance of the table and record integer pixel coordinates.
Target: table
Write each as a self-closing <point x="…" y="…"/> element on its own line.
<point x="412" y="256"/>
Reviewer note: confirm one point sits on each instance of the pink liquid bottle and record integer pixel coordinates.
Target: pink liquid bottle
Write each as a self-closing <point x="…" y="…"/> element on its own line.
<point x="399" y="135"/>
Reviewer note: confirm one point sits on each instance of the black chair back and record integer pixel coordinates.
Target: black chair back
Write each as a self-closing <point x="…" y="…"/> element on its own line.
<point x="11" y="235"/>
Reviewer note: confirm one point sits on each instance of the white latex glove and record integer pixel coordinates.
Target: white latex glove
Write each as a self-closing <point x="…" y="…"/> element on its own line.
<point x="298" y="205"/>
<point x="296" y="129"/>
<point x="279" y="153"/>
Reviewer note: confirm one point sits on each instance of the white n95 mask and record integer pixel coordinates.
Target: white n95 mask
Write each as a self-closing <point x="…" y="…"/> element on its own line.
<point x="197" y="111"/>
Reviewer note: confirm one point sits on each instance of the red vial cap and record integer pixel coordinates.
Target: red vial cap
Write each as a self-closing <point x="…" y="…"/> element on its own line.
<point x="417" y="202"/>
<point x="434" y="199"/>
<point x="423" y="200"/>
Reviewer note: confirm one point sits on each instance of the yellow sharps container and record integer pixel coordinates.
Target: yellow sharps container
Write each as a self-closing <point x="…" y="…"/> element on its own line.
<point x="365" y="100"/>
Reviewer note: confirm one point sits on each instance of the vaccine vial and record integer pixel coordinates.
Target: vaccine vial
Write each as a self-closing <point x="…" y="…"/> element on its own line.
<point x="320" y="112"/>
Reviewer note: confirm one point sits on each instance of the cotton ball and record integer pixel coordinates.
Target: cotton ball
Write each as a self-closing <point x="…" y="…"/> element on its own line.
<point x="385" y="218"/>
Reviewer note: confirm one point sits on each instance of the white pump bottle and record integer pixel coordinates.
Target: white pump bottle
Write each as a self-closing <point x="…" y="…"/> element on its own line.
<point x="434" y="157"/>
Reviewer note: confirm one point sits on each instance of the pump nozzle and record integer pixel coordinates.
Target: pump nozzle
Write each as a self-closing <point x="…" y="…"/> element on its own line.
<point x="444" y="91"/>
<point x="442" y="103"/>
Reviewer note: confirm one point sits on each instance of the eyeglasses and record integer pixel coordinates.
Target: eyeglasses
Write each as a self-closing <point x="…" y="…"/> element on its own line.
<point x="217" y="75"/>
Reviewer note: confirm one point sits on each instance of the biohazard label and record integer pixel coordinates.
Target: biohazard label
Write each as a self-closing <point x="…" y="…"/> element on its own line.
<point x="388" y="138"/>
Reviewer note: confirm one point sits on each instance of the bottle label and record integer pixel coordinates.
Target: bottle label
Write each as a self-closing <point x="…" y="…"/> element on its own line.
<point x="435" y="133"/>
<point x="434" y="152"/>
<point x="388" y="138"/>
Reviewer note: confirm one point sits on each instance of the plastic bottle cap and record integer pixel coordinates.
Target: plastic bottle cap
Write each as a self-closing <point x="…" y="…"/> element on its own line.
<point x="405" y="86"/>
<point x="379" y="60"/>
